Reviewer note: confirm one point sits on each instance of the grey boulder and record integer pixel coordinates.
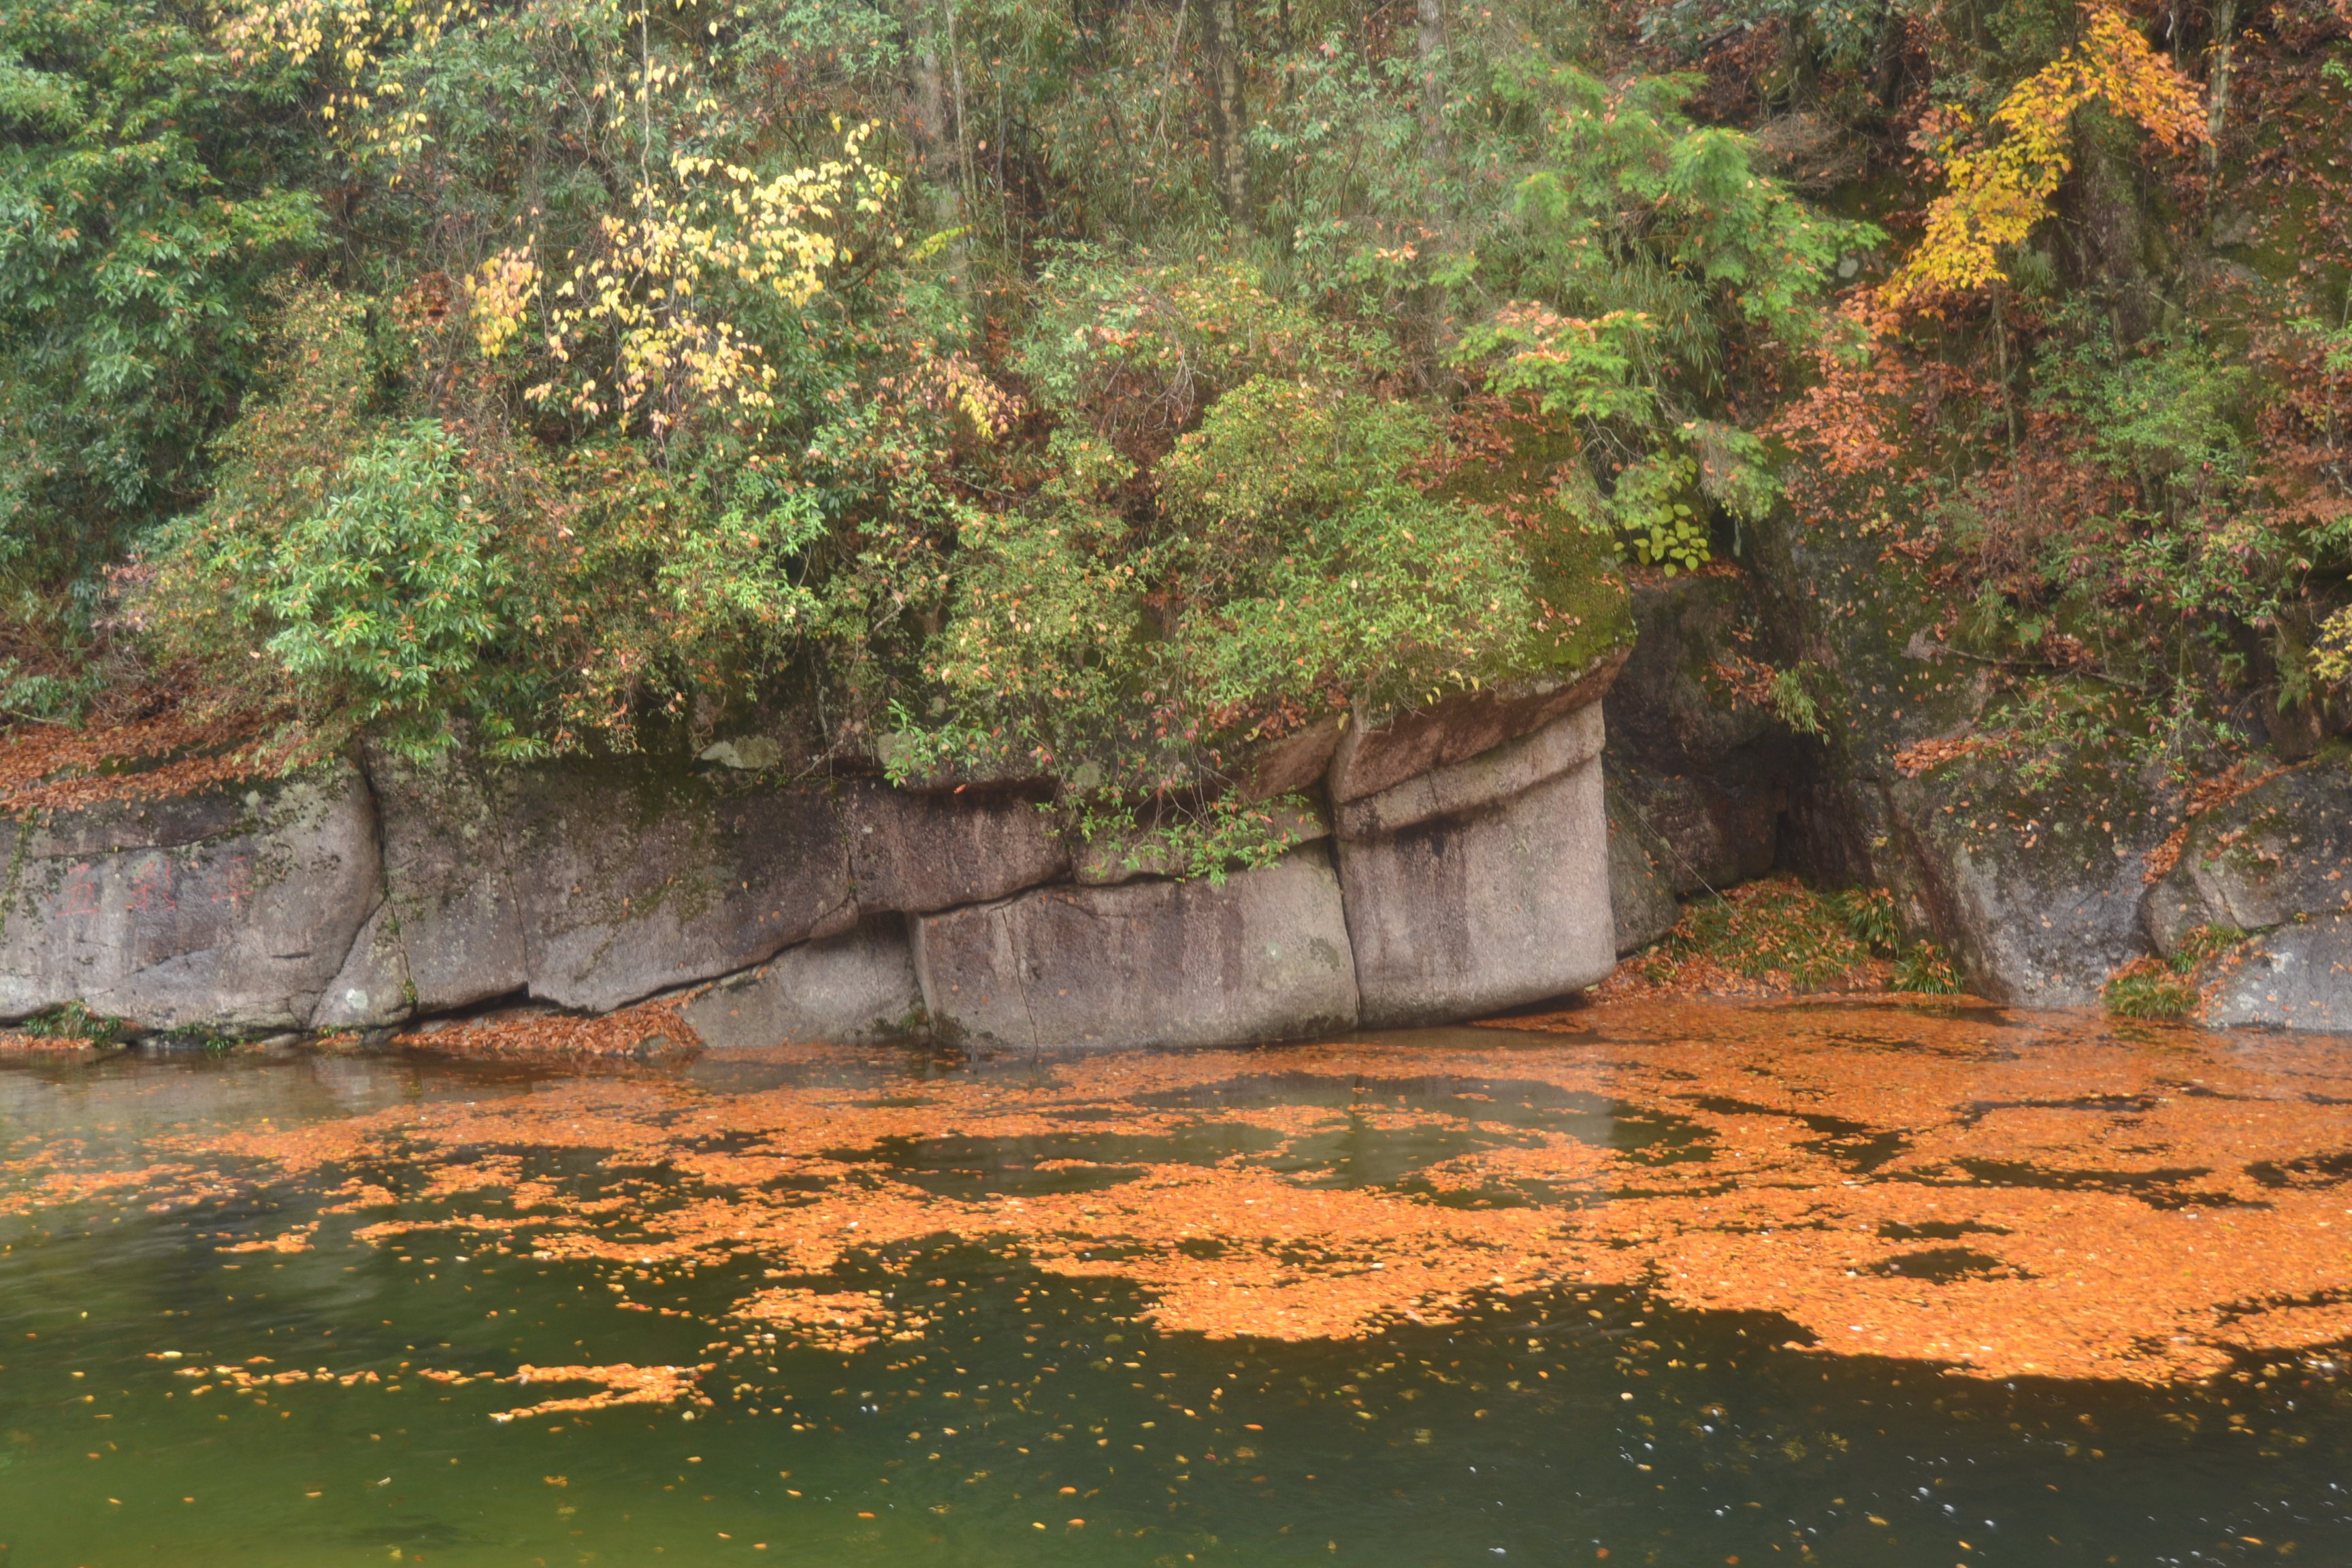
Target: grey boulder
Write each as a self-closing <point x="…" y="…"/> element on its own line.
<point x="1372" y="758"/>
<point x="371" y="990"/>
<point x="2298" y="976"/>
<point x="1263" y="957"/>
<point x="2280" y="850"/>
<point x="2036" y="910"/>
<point x="1642" y="902"/>
<point x="635" y="878"/>
<point x="850" y="989"/>
<point x="1482" y="910"/>
<point x="452" y="932"/>
<point x="1565" y="743"/>
<point x="918" y="852"/>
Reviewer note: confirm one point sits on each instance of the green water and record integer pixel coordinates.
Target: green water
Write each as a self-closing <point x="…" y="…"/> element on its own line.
<point x="1548" y="1429"/>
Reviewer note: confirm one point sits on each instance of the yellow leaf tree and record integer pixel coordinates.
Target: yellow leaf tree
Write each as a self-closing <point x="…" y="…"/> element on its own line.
<point x="1997" y="192"/>
<point x="639" y="308"/>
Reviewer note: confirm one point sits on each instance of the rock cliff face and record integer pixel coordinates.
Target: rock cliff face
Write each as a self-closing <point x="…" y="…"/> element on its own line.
<point x="2039" y="882"/>
<point x="1448" y="863"/>
<point x="1266" y="956"/>
<point x="236" y="908"/>
<point x="2274" y="861"/>
<point x="1452" y="879"/>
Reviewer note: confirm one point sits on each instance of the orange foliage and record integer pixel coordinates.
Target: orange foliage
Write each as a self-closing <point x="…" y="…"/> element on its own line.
<point x="52" y="768"/>
<point x="622" y="1384"/>
<point x="2169" y="1248"/>
<point x="1999" y="193"/>
<point x="1848" y="420"/>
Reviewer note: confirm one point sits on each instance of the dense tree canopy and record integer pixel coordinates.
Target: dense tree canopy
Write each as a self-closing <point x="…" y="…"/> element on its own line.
<point x="1098" y="388"/>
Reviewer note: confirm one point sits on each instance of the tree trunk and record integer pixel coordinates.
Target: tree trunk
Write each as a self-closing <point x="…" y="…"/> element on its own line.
<point x="1886" y="71"/>
<point x="1220" y="43"/>
<point x="1430" y="47"/>
<point x="962" y="119"/>
<point x="2217" y="84"/>
<point x="934" y="132"/>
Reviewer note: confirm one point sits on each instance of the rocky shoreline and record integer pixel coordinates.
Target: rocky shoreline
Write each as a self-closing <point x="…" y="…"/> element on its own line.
<point x="1454" y="863"/>
<point x="2050" y="875"/>
<point x="1482" y="854"/>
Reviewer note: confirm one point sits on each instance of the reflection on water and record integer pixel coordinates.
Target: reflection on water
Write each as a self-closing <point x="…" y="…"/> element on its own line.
<point x="1696" y="1284"/>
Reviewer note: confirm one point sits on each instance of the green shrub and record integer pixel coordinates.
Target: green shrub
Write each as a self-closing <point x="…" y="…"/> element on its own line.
<point x="1924" y="969"/>
<point x="2149" y="989"/>
<point x="386" y="599"/>
<point x="1285" y="568"/>
<point x="1776" y="929"/>
<point x="73" y="1021"/>
<point x="742" y="402"/>
<point x="378" y="604"/>
<point x="148" y="196"/>
<point x="2158" y="987"/>
<point x="1870" y="915"/>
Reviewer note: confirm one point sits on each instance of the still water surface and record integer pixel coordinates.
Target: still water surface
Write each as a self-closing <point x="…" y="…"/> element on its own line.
<point x="1838" y="1286"/>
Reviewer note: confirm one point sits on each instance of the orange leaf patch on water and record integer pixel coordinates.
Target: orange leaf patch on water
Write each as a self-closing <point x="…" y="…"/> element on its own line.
<point x="2000" y="1195"/>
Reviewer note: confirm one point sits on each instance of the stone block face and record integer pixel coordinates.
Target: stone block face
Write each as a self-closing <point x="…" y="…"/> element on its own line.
<point x="1716" y="833"/>
<point x="846" y="990"/>
<point x="372" y="989"/>
<point x="376" y="892"/>
<point x="2281" y="850"/>
<point x="2171" y="910"/>
<point x="1642" y="901"/>
<point x="1464" y="914"/>
<point x="1373" y="759"/>
<point x="1667" y="711"/>
<point x="452" y="909"/>
<point x="1566" y="743"/>
<point x="235" y="908"/>
<point x="634" y="878"/>
<point x="1264" y="957"/>
<point x="917" y="851"/>
<point x="2035" y="917"/>
<point x="2296" y="977"/>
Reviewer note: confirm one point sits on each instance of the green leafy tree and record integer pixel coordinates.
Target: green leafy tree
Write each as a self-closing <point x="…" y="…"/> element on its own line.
<point x="386" y="599"/>
<point x="148" y="193"/>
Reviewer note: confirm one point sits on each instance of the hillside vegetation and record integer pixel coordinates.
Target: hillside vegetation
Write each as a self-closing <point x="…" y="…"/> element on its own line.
<point x="1094" y="390"/>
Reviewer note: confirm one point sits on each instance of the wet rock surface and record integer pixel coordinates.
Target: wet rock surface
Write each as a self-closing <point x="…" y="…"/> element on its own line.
<point x="596" y="885"/>
<point x="1564" y="743"/>
<point x="919" y="851"/>
<point x="2298" y="976"/>
<point x="2281" y="850"/>
<point x="1289" y="764"/>
<point x="373" y="989"/>
<point x="2037" y="906"/>
<point x="1706" y="774"/>
<point x="640" y="878"/>
<point x="1668" y="707"/>
<point x="454" y="920"/>
<point x="1714" y="835"/>
<point x="1642" y="901"/>
<point x="1370" y="759"/>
